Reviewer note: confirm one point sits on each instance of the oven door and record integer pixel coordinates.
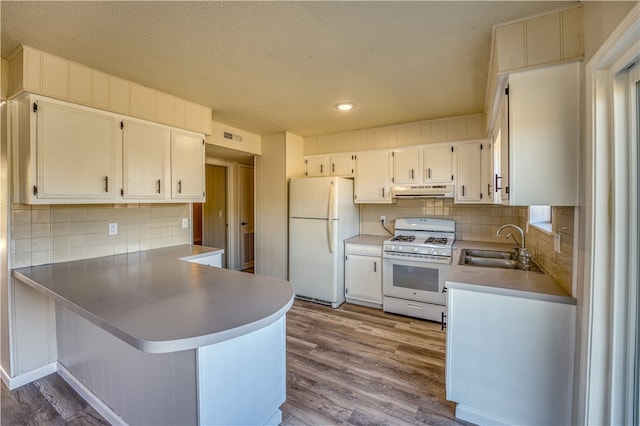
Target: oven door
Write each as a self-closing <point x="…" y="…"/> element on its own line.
<point x="417" y="280"/>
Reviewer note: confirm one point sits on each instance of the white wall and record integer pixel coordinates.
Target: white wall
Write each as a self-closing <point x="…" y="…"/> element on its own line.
<point x="281" y="159"/>
<point x="465" y="127"/>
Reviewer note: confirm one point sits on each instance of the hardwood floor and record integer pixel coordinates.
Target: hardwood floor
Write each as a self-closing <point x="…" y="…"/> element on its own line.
<point x="360" y="366"/>
<point x="347" y="366"/>
<point x="48" y="401"/>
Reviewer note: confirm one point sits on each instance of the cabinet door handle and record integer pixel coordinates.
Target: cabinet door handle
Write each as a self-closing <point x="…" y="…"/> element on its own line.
<point x="375" y="266"/>
<point x="321" y="168"/>
<point x="158" y="186"/>
<point x="463" y="190"/>
<point x="442" y="321"/>
<point x="489" y="189"/>
<point x="413" y="174"/>
<point x="106" y="184"/>
<point x="383" y="192"/>
<point x="179" y="187"/>
<point x="498" y="188"/>
<point x="429" y="170"/>
<point x="333" y="167"/>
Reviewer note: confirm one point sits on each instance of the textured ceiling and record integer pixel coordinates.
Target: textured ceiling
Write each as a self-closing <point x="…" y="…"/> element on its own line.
<point x="274" y="66"/>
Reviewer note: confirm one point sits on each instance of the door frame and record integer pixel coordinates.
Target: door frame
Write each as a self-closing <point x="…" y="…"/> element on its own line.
<point x="608" y="310"/>
<point x="231" y="220"/>
<point x="238" y="215"/>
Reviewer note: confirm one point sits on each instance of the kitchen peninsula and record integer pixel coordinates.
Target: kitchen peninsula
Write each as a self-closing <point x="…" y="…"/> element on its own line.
<point x="157" y="339"/>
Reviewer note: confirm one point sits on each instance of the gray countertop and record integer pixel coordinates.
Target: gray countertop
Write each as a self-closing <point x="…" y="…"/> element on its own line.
<point x="515" y="283"/>
<point x="158" y="303"/>
<point x="374" y="240"/>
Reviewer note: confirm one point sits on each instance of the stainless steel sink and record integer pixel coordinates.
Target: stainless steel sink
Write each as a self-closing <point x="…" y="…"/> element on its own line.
<point x="492" y="259"/>
<point x="492" y="254"/>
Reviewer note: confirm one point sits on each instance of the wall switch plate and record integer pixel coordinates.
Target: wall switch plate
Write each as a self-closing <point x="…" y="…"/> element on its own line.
<point x="185" y="222"/>
<point x="556" y="242"/>
<point x="382" y="218"/>
<point x="113" y="229"/>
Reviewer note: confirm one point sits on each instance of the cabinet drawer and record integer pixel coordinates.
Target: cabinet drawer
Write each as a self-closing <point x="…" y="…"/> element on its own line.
<point x="410" y="308"/>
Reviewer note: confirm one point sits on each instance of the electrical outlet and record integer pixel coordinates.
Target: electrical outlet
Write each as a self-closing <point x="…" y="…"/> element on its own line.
<point x="113" y="229"/>
<point x="382" y="218"/>
<point x="185" y="222"/>
<point x="556" y="242"/>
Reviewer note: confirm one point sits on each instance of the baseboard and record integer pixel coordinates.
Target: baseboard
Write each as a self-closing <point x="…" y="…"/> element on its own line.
<point x="479" y="417"/>
<point x="364" y="303"/>
<point x="102" y="408"/>
<point x="275" y="419"/>
<point x="26" y="378"/>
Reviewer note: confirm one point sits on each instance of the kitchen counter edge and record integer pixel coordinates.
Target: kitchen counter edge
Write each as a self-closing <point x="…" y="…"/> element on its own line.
<point x="373" y="240"/>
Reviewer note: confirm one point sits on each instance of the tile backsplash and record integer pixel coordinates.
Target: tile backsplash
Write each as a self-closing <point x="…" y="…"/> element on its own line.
<point x="473" y="222"/>
<point x="42" y="234"/>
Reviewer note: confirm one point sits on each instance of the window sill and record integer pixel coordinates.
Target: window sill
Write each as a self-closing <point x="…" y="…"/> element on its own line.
<point x="544" y="227"/>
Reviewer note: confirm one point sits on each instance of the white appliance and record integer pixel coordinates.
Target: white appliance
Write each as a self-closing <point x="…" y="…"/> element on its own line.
<point x="322" y="215"/>
<point x="415" y="263"/>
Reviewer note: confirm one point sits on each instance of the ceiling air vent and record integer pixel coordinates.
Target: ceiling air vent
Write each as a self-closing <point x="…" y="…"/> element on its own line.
<point x="232" y="136"/>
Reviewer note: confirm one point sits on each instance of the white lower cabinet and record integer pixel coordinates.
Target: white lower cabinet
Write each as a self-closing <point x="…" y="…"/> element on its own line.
<point x="510" y="360"/>
<point x="363" y="274"/>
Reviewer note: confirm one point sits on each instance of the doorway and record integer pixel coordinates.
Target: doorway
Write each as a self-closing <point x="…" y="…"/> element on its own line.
<point x="246" y="212"/>
<point x="214" y="210"/>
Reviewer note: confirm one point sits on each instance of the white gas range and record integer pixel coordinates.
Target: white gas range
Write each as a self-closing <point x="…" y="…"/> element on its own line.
<point x="416" y="261"/>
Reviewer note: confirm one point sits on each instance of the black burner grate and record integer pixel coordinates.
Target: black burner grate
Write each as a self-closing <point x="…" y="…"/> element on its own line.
<point x="404" y="238"/>
<point x="436" y="240"/>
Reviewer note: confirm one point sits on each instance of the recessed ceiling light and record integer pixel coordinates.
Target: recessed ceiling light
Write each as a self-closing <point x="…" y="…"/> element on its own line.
<point x="345" y="106"/>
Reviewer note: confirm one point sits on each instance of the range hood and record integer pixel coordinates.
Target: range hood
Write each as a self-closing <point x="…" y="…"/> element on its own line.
<point x="422" y="191"/>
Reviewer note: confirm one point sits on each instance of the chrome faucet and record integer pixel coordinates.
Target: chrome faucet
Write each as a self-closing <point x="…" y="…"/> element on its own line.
<point x="522" y="254"/>
<point x="511" y="235"/>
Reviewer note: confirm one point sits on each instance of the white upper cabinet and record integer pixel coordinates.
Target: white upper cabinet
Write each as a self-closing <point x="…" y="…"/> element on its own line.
<point x="487" y="173"/>
<point x="438" y="164"/>
<point x="145" y="160"/>
<point x="329" y="165"/>
<point x="372" y="177"/>
<point x="187" y="166"/>
<point x="407" y="166"/>
<point x="544" y="106"/>
<point x="64" y="152"/>
<point x="316" y="166"/>
<point x="474" y="170"/>
<point x="468" y="172"/>
<point x="341" y="165"/>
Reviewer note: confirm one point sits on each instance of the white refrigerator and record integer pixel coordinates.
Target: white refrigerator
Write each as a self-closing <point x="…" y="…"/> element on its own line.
<point x="322" y="215"/>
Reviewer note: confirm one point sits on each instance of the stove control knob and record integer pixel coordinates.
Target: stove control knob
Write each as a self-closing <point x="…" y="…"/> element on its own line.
<point x="415" y="249"/>
<point x="399" y="248"/>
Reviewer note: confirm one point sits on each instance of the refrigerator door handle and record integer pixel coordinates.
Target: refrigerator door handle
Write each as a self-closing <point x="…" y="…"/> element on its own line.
<point x="332" y="194"/>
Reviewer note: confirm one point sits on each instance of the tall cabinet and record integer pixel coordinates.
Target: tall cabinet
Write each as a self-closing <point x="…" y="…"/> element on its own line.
<point x="540" y="165"/>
